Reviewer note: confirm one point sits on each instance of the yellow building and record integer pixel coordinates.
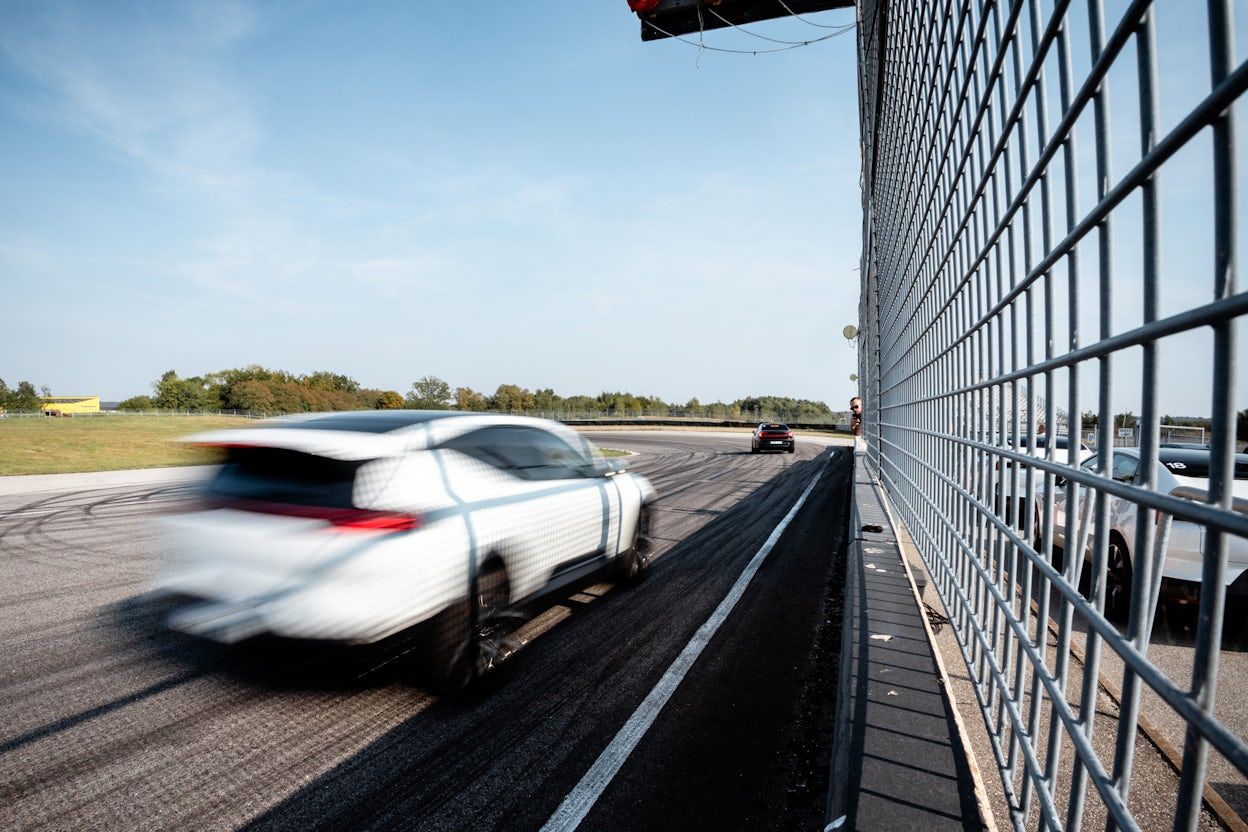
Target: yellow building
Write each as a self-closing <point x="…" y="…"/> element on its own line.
<point x="70" y="405"/>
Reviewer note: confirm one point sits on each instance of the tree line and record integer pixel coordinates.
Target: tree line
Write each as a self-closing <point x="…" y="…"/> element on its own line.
<point x="258" y="389"/>
<point x="22" y="397"/>
<point x="1091" y="420"/>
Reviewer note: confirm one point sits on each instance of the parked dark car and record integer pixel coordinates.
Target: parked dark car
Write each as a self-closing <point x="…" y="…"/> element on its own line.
<point x="772" y="436"/>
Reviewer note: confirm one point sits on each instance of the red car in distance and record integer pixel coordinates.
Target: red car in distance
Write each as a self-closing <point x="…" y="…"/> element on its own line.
<point x="772" y="436"/>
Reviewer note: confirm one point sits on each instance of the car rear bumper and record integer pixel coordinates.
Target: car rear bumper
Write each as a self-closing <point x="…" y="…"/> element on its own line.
<point x="774" y="445"/>
<point x="251" y="577"/>
<point x="317" y="613"/>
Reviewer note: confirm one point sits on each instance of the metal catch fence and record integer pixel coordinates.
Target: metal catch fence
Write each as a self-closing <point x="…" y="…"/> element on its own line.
<point x="1013" y="278"/>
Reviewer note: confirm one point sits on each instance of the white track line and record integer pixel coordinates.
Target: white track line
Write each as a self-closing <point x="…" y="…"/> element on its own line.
<point x="582" y="798"/>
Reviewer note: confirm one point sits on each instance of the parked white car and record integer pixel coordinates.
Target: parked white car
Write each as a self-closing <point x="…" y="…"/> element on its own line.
<point x="1183" y="472"/>
<point x="353" y="527"/>
<point x="1002" y="482"/>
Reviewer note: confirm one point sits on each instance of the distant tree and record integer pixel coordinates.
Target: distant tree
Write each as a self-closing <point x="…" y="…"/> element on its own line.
<point x="252" y="372"/>
<point x="693" y="405"/>
<point x="25" y="397"/>
<point x="254" y="395"/>
<point x="171" y="394"/>
<point x="429" y="393"/>
<point x="135" y="403"/>
<point x="194" y="393"/>
<point x="1241" y="424"/>
<point x="547" y="401"/>
<point x="621" y="404"/>
<point x="510" y="398"/>
<point x="581" y="404"/>
<point x="45" y="391"/>
<point x="389" y="400"/>
<point x="468" y="399"/>
<point x="324" y="380"/>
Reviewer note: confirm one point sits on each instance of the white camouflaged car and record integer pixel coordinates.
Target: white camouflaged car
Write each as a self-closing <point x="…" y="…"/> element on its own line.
<point x="353" y="527"/>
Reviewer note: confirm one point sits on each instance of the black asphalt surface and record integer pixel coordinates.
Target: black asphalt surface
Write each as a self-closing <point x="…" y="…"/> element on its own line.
<point x="107" y="720"/>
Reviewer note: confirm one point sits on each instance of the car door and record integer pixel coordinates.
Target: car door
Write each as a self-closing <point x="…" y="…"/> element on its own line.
<point x="1122" y="468"/>
<point x="572" y="494"/>
<point x="545" y="512"/>
<point x="1092" y="466"/>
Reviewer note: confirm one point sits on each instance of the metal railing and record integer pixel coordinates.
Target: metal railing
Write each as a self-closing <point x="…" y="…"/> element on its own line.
<point x="996" y="227"/>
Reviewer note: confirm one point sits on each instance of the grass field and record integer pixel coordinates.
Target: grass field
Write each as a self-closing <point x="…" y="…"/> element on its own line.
<point x="104" y="443"/>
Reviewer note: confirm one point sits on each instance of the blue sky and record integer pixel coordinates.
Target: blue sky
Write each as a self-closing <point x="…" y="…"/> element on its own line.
<point x="490" y="192"/>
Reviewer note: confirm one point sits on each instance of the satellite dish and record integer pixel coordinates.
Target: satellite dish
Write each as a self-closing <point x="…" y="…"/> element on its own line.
<point x="853" y="376"/>
<point x="850" y="332"/>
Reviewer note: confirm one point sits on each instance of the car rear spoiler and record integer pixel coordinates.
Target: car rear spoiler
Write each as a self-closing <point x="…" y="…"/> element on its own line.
<point x="1187" y="492"/>
<point x="349" y="446"/>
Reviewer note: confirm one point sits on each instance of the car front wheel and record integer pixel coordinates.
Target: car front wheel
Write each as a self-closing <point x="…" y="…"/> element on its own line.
<point x="633" y="562"/>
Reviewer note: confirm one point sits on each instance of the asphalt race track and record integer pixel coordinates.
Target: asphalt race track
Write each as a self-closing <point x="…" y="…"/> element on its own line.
<point x="107" y="720"/>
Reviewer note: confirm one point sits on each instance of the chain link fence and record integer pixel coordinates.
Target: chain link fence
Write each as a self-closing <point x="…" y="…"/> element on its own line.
<point x="1013" y="279"/>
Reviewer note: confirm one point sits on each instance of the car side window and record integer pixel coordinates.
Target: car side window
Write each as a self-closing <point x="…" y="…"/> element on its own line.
<point x="1125" y="467"/>
<point x="549" y="457"/>
<point x="528" y="453"/>
<point x="483" y="445"/>
<point x="1092" y="464"/>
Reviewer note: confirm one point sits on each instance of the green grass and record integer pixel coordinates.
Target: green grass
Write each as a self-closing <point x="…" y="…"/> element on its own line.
<point x="613" y="452"/>
<point x="104" y="443"/>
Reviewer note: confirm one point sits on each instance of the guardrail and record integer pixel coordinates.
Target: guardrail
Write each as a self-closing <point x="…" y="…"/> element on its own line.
<point x="985" y="128"/>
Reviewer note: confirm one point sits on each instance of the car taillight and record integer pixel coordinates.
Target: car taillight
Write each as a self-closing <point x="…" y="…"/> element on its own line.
<point x="339" y="519"/>
<point x="375" y="521"/>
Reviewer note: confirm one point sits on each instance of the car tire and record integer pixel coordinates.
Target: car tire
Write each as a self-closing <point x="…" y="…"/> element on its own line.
<point x="1118" y="580"/>
<point x="634" y="561"/>
<point x="466" y="635"/>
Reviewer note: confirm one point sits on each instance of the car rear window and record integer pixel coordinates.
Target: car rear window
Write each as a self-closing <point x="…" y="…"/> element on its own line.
<point x="278" y="475"/>
<point x="1042" y="441"/>
<point x="1194" y="463"/>
<point x="367" y="421"/>
<point x="775" y="427"/>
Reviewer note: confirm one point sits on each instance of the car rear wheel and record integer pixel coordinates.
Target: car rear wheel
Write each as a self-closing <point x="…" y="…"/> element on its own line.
<point x="1118" y="580"/>
<point x="470" y="636"/>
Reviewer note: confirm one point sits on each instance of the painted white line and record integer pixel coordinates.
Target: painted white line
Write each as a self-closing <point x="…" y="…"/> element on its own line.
<point x="586" y="793"/>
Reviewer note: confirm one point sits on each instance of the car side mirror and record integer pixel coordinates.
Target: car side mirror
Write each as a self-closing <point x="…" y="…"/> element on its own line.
<point x="603" y="467"/>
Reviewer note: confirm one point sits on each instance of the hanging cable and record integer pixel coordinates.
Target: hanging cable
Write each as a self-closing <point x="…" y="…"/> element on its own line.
<point x="697" y="45"/>
<point x="807" y="22"/>
<point x="756" y="34"/>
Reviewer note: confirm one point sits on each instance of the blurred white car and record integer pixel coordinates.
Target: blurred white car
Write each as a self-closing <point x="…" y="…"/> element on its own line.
<point x="1182" y="472"/>
<point x="353" y="527"/>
